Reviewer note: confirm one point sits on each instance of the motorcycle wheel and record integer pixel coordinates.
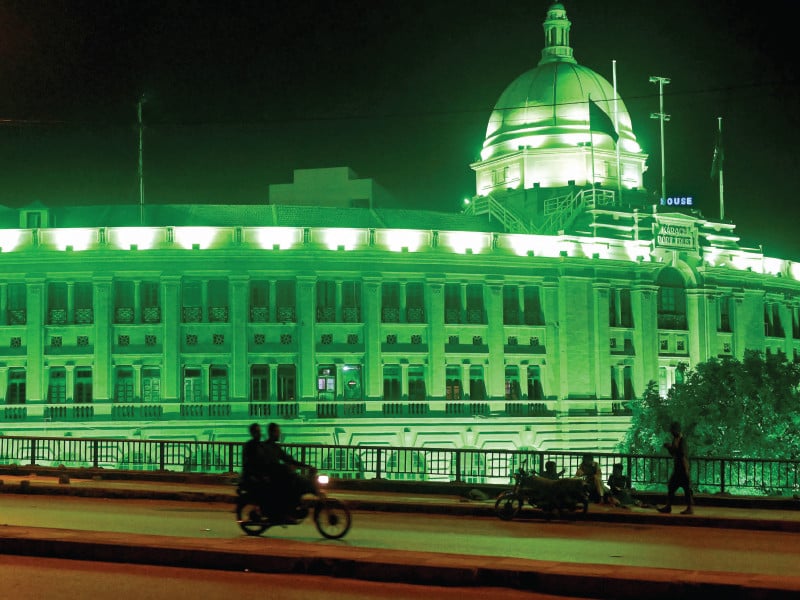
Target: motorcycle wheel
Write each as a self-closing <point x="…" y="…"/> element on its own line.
<point x="332" y="518"/>
<point x="508" y="505"/>
<point x="248" y="516"/>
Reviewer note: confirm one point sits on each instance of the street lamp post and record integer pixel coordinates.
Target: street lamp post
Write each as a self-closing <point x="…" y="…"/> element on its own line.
<point x="661" y="116"/>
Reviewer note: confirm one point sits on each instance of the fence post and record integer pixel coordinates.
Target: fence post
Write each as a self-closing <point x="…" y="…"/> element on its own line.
<point x="722" y="476"/>
<point x="95" y="453"/>
<point x="33" y="451"/>
<point x="458" y="466"/>
<point x="161" y="458"/>
<point x="230" y="458"/>
<point x="378" y="464"/>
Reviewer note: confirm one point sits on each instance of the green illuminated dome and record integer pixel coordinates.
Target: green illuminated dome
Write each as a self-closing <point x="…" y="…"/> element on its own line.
<point x="547" y="107"/>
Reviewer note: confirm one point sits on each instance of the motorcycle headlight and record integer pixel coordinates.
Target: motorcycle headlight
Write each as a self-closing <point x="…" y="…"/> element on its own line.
<point x="322" y="479"/>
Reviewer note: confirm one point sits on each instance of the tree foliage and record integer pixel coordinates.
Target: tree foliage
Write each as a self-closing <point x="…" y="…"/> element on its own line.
<point x="748" y="408"/>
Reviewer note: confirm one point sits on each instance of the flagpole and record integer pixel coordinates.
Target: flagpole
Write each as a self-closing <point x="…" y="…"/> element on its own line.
<point x="721" y="164"/>
<point x="616" y="127"/>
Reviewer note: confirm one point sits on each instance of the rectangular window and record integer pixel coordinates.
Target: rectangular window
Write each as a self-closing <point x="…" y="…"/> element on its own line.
<point x="532" y="306"/>
<point x="416" y="382"/>
<point x="15" y="393"/>
<point x="123" y="294"/>
<point x="326" y="382"/>
<point x="351" y="301"/>
<point x="259" y="383"/>
<point x="192" y="384"/>
<point x="149" y="294"/>
<point x="453" y="388"/>
<point x="83" y="386"/>
<point x="218" y="293"/>
<point x="57" y="303"/>
<point x="724" y="314"/>
<point x="390" y="303"/>
<point x="259" y="294"/>
<point x="475" y="307"/>
<point x="391" y="382"/>
<point x="287" y="383"/>
<point x="510" y="305"/>
<point x="326" y="301"/>
<point x="452" y="303"/>
<point x="415" y="302"/>
<point x="123" y="384"/>
<point x="151" y="384"/>
<point x="83" y="295"/>
<point x="512" y="383"/>
<point x="627" y="378"/>
<point x="477" y="386"/>
<point x="218" y="384"/>
<point x="535" y="390"/>
<point x="192" y="294"/>
<point x="57" y="386"/>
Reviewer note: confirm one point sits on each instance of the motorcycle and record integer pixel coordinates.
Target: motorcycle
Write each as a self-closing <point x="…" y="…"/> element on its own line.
<point x="331" y="517"/>
<point x="550" y="495"/>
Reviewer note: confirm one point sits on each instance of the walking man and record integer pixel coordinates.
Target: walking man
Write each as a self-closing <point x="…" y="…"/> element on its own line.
<point x="680" y="471"/>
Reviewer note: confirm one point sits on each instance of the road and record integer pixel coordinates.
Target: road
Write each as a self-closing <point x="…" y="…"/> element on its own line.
<point x="688" y="548"/>
<point x="26" y="578"/>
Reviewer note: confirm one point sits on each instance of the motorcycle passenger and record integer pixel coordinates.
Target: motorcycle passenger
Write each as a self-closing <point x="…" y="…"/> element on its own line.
<point x="281" y="468"/>
<point x="255" y="468"/>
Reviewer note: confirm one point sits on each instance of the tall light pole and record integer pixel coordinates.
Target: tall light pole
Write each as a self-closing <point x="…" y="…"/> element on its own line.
<point x="662" y="81"/>
<point x="141" y="158"/>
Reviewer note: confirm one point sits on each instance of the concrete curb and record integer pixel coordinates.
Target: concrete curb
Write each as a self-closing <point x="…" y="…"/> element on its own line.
<point x="334" y="559"/>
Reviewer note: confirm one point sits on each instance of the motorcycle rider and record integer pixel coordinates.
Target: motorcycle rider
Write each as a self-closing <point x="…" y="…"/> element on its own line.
<point x="281" y="469"/>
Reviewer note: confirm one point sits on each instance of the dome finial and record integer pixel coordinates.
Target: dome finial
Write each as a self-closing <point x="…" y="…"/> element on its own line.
<point x="556" y="35"/>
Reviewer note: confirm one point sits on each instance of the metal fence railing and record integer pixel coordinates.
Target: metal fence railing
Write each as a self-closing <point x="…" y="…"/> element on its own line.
<point x="741" y="476"/>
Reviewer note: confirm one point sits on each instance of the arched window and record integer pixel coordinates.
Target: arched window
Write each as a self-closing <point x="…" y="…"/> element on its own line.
<point x="671" y="300"/>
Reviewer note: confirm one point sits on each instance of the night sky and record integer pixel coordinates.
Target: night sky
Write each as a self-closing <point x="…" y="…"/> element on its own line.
<point x="241" y="93"/>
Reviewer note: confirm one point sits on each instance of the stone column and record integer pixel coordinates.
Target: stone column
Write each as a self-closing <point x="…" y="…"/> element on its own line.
<point x="644" y="306"/>
<point x="239" y="317"/>
<point x="103" y="331"/>
<point x="306" y="327"/>
<point x="602" y="336"/>
<point x="70" y="302"/>
<point x="137" y="301"/>
<point x="373" y="373"/>
<point x="434" y="308"/>
<point x="495" y="378"/>
<point x="34" y="334"/>
<point x="171" y="342"/>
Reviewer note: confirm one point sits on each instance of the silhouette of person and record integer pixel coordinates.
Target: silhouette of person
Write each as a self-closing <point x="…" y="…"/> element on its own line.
<point x="255" y="468"/>
<point x="281" y="467"/>
<point x="680" y="471"/>
<point x="589" y="469"/>
<point x="550" y="470"/>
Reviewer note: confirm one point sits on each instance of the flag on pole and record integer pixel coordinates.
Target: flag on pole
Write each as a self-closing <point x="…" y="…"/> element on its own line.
<point x="600" y="122"/>
<point x="719" y="154"/>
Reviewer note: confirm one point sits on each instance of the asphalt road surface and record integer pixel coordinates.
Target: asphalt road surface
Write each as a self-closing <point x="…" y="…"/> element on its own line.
<point x="689" y="548"/>
<point x="32" y="578"/>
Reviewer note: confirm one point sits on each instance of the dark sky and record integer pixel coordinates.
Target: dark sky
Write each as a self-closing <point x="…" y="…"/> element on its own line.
<point x="240" y="93"/>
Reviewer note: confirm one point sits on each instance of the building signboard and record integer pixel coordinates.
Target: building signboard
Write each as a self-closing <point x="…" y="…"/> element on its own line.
<point x="675" y="235"/>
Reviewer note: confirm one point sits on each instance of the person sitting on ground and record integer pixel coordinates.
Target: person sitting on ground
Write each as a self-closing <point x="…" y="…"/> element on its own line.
<point x="550" y="470"/>
<point x="619" y="486"/>
<point x="589" y="470"/>
<point x="282" y="469"/>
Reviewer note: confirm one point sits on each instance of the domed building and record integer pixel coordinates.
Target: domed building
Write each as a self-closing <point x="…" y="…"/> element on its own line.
<point x="529" y="320"/>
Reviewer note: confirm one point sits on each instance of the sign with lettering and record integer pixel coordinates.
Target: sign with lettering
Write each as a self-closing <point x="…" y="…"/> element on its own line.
<point x="674" y="235"/>
<point x="678" y="201"/>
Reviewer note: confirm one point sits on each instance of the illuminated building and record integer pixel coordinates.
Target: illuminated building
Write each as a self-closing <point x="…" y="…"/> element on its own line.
<point x="526" y="321"/>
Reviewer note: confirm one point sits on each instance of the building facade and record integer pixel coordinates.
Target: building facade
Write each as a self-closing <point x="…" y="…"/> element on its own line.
<point x="529" y="320"/>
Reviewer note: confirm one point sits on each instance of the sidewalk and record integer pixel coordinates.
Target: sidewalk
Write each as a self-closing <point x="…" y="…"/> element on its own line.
<point x="598" y="581"/>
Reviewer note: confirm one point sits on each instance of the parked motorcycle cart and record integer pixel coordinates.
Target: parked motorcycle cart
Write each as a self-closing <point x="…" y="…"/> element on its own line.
<point x="331" y="517"/>
<point x="552" y="496"/>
